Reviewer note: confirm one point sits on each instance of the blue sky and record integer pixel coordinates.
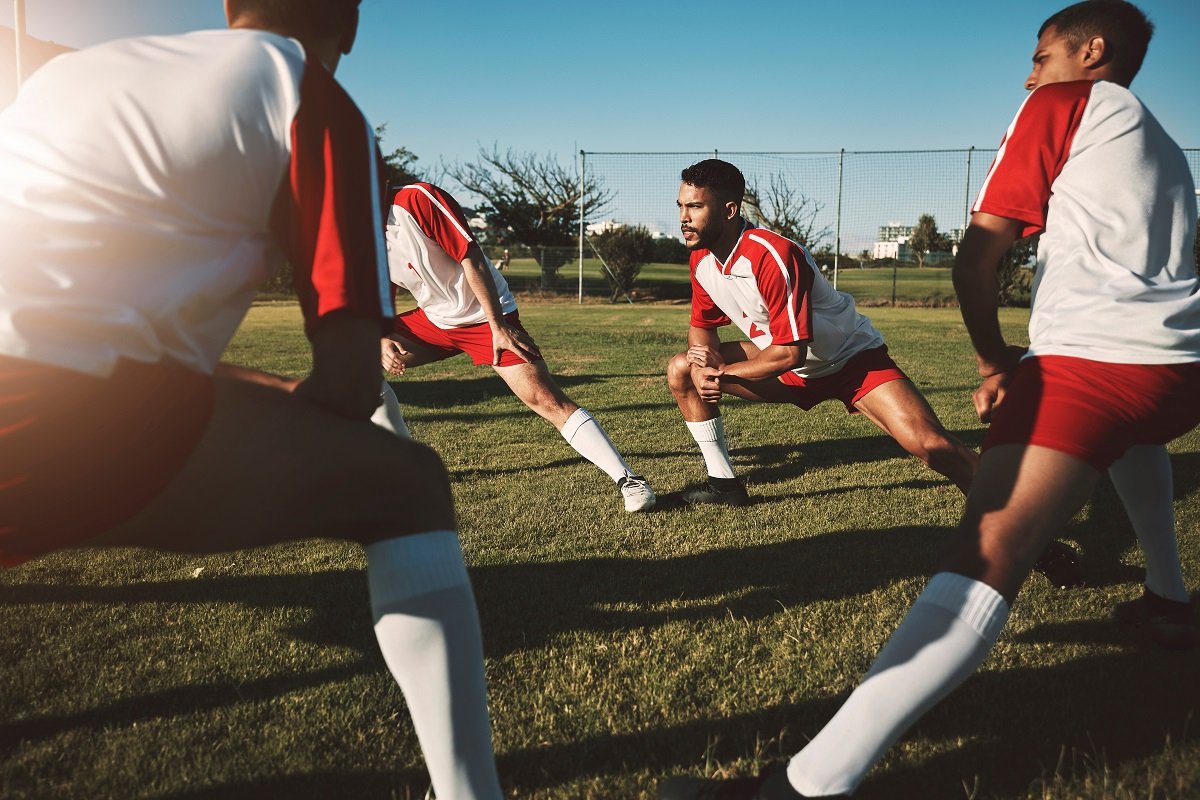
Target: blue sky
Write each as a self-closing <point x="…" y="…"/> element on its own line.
<point x="555" y="77"/>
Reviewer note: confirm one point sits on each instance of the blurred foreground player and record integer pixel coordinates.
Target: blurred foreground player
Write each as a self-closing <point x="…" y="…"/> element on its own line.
<point x="1111" y="374"/>
<point x="138" y="221"/>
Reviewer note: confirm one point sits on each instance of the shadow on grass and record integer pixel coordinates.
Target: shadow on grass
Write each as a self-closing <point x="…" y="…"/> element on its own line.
<point x="330" y="784"/>
<point x="756" y="464"/>
<point x="1004" y="727"/>
<point x="443" y="393"/>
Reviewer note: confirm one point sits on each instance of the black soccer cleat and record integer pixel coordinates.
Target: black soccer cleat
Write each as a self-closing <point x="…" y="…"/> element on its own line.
<point x="1171" y="623"/>
<point x="707" y="494"/>
<point x="1061" y="565"/>
<point x="770" y="784"/>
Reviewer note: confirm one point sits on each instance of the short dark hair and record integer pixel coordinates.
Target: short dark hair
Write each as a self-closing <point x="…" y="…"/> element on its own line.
<point x="726" y="180"/>
<point x="306" y="19"/>
<point x="1123" y="26"/>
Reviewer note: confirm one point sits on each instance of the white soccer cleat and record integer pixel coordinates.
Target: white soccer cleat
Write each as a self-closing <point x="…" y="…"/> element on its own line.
<point x="637" y="493"/>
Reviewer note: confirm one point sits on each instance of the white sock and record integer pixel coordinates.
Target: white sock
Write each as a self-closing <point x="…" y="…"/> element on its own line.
<point x="388" y="415"/>
<point x="587" y="437"/>
<point x="710" y="436"/>
<point x="943" y="639"/>
<point x="1143" y="481"/>
<point x="428" y="631"/>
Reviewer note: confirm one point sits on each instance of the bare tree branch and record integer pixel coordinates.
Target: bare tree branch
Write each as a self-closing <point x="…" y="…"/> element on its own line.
<point x="533" y="199"/>
<point x="786" y="211"/>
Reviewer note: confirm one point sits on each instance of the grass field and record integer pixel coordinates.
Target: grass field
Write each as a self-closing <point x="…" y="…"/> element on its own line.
<point x="620" y="648"/>
<point x="874" y="286"/>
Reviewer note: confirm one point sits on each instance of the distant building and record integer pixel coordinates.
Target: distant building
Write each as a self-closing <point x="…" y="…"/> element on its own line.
<point x="603" y="226"/>
<point x="893" y="243"/>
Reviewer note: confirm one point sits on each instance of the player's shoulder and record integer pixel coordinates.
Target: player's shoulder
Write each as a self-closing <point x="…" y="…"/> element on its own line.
<point x="420" y="194"/>
<point x="760" y="243"/>
<point x="1053" y="98"/>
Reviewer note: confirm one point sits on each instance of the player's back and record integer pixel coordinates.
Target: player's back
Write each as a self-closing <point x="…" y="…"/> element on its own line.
<point x="136" y="175"/>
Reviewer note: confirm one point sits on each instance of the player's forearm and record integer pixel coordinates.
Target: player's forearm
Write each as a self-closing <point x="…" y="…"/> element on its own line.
<point x="979" y="255"/>
<point x="705" y="337"/>
<point x="770" y="362"/>
<point x="479" y="281"/>
<point x="345" y="374"/>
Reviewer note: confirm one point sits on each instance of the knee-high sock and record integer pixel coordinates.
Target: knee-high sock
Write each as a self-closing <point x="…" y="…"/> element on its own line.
<point x="428" y="630"/>
<point x="943" y="639"/>
<point x="587" y="437"/>
<point x="388" y="415"/>
<point x="1143" y="478"/>
<point x="710" y="436"/>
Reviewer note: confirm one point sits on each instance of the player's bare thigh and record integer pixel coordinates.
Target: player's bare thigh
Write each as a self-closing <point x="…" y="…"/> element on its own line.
<point x="898" y="407"/>
<point x="273" y="467"/>
<point x="1022" y="495"/>
<point x="534" y="386"/>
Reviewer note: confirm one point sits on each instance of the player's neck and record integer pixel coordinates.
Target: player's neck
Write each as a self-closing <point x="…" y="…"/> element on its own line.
<point x="723" y="248"/>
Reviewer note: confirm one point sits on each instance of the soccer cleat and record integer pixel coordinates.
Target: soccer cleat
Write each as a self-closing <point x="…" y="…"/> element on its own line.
<point x="770" y="784"/>
<point x="1170" y="623"/>
<point x="637" y="493"/>
<point x="706" y="494"/>
<point x="1061" y="565"/>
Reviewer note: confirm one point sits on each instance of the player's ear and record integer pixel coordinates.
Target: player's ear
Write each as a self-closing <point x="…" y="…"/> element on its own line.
<point x="732" y="209"/>
<point x="1094" y="53"/>
<point x="346" y="43"/>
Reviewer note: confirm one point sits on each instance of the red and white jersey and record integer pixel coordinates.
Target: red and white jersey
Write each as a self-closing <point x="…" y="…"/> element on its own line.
<point x="771" y="289"/>
<point x="149" y="186"/>
<point x="1086" y="163"/>
<point x="427" y="239"/>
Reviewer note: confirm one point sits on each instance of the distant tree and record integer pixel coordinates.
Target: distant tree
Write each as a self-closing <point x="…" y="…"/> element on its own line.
<point x="534" y="199"/>
<point x="785" y="210"/>
<point x="625" y="250"/>
<point x="1014" y="277"/>
<point x="926" y="239"/>
<point x="399" y="167"/>
<point x="669" y="250"/>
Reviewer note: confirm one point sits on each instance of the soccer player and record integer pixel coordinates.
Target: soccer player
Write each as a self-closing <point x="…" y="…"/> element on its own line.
<point x="465" y="306"/>
<point x="807" y="343"/>
<point x="1085" y="162"/>
<point x="149" y="184"/>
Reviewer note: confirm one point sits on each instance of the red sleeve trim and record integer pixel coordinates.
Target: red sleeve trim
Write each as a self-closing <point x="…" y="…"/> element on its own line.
<point x="1032" y="154"/>
<point x="439" y="216"/>
<point x="705" y="313"/>
<point x="785" y="282"/>
<point x="329" y="215"/>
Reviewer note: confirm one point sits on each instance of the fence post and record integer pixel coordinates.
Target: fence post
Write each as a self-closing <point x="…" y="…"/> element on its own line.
<point x="967" y="200"/>
<point x="837" y="244"/>
<point x="582" y="197"/>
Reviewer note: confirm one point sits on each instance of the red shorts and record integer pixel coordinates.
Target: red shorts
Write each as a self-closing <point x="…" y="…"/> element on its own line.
<point x="474" y="340"/>
<point x="1095" y="411"/>
<point x="80" y="454"/>
<point x="862" y="373"/>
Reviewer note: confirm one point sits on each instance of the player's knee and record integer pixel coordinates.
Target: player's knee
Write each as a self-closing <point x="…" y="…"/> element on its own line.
<point x="679" y="373"/>
<point x="411" y="490"/>
<point x="933" y="447"/>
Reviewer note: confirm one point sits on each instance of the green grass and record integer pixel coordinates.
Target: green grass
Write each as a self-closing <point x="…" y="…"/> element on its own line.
<point x="620" y="648"/>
